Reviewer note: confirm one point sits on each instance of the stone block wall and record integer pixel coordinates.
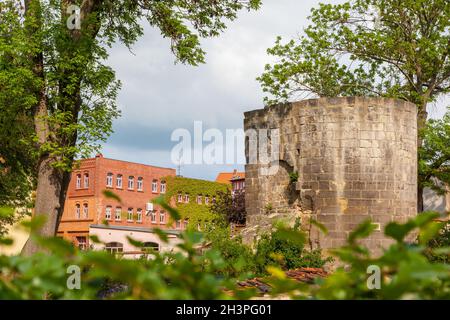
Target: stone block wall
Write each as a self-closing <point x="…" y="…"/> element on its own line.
<point x="356" y="158"/>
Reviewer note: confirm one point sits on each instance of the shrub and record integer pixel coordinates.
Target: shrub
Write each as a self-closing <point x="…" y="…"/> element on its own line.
<point x="284" y="248"/>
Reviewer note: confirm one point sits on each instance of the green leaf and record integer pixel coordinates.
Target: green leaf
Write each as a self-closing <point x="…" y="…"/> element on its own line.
<point x="362" y="231"/>
<point x="174" y="214"/>
<point x="111" y="195"/>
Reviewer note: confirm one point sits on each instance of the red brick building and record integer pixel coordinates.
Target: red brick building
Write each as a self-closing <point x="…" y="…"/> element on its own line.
<point x="235" y="178"/>
<point x="135" y="184"/>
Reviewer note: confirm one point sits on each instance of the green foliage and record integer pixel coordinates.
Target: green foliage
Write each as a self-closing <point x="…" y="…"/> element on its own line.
<point x="406" y="273"/>
<point x="434" y="156"/>
<point x="383" y="48"/>
<point x="238" y="257"/>
<point x="17" y="159"/>
<point x="437" y="249"/>
<point x="284" y="248"/>
<point x="230" y="206"/>
<point x="293" y="177"/>
<point x="196" y="213"/>
<point x="179" y="274"/>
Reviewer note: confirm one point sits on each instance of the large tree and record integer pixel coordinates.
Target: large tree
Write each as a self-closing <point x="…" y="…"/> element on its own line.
<point x="68" y="90"/>
<point x="389" y="48"/>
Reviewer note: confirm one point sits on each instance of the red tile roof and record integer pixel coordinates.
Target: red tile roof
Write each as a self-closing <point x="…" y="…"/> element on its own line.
<point x="225" y="177"/>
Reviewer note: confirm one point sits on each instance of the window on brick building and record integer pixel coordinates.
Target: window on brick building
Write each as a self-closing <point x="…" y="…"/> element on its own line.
<point x="86" y="180"/>
<point x="82" y="243"/>
<point x="139" y="215"/>
<point x="119" y="181"/>
<point x="163" y="187"/>
<point x="114" y="247"/>
<point x="150" y="246"/>
<point x="130" y="214"/>
<point x="199" y="199"/>
<point x="118" y="215"/>
<point x="108" y="213"/>
<point x="206" y="200"/>
<point x="155" y="186"/>
<point x="140" y="184"/>
<point x="162" y="217"/>
<point x="153" y="217"/>
<point x="180" y="197"/>
<point x="85" y="210"/>
<point x="213" y="200"/>
<point x="186" y="198"/>
<point x="185" y="222"/>
<point x="78" y="184"/>
<point x="109" y="180"/>
<point x="178" y="224"/>
<point x="77" y="211"/>
<point x="130" y="182"/>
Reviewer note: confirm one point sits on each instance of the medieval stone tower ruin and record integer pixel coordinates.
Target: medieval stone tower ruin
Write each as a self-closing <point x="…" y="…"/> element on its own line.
<point x="341" y="161"/>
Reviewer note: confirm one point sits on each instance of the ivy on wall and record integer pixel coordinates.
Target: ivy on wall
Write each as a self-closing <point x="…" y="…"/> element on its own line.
<point x="194" y="212"/>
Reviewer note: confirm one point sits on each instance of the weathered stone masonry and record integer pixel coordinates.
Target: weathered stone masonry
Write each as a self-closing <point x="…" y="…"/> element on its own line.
<point x="356" y="158"/>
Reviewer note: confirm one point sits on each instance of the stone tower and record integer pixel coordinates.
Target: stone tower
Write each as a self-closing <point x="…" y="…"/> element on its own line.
<point x="341" y="161"/>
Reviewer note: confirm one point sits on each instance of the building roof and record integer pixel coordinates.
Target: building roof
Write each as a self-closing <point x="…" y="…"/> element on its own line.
<point x="226" y="177"/>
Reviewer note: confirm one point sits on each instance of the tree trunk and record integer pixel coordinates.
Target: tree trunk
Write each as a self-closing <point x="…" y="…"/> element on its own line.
<point x="422" y="116"/>
<point x="49" y="202"/>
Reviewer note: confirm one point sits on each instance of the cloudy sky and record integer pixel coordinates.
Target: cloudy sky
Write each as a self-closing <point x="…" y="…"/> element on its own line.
<point x="158" y="96"/>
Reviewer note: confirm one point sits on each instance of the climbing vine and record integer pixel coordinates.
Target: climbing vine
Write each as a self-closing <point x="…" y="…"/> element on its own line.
<point x="192" y="211"/>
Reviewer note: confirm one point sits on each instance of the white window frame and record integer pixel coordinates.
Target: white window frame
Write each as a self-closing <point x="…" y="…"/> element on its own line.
<point x="86" y="180"/>
<point x="108" y="212"/>
<point x="180" y="198"/>
<point x="139" y="215"/>
<point x="178" y="224"/>
<point x="116" y="249"/>
<point x="131" y="183"/>
<point x="140" y="184"/>
<point x="109" y="179"/>
<point x="186" y="198"/>
<point x="162" y="217"/>
<point x="78" y="211"/>
<point x="78" y="181"/>
<point x="118" y="213"/>
<point x="199" y="199"/>
<point x="85" y="210"/>
<point x="130" y="215"/>
<point x="119" y="181"/>
<point x="155" y="186"/>
<point x="162" y="187"/>
<point x="153" y="217"/>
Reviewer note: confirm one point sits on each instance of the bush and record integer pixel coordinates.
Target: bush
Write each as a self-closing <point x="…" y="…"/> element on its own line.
<point x="284" y="248"/>
<point x="441" y="241"/>
<point x="239" y="258"/>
